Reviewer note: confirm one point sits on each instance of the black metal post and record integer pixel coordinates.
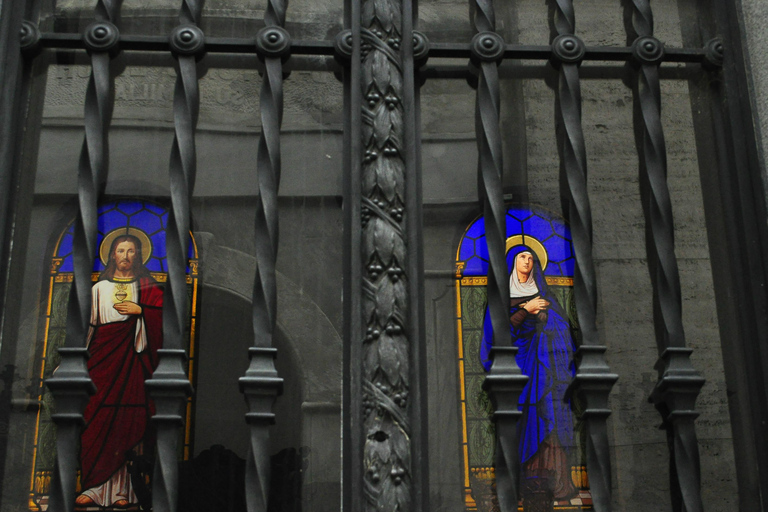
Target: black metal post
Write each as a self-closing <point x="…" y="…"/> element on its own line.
<point x="505" y="381"/>
<point x="71" y="385"/>
<point x="593" y="381"/>
<point x="11" y="94"/>
<point x="679" y="384"/>
<point x="169" y="386"/>
<point x="349" y="49"/>
<point x="261" y="384"/>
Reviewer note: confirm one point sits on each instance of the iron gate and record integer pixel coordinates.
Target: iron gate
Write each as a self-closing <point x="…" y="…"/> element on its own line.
<point x="385" y="60"/>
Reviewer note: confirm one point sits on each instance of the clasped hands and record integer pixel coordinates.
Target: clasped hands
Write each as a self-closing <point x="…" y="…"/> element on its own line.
<point x="535" y="305"/>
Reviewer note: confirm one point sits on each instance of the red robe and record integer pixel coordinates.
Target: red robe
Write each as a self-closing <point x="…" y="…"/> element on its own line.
<point x="117" y="416"/>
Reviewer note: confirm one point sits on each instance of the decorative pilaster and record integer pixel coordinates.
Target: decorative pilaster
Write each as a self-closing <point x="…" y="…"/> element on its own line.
<point x="386" y="352"/>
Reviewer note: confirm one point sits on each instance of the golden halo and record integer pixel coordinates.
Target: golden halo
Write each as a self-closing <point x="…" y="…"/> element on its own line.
<point x="106" y="244"/>
<point x="531" y="242"/>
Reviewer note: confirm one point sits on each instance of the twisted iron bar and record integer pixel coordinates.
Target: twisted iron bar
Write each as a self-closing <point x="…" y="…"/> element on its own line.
<point x="169" y="386"/>
<point x="261" y="384"/>
<point x="676" y="391"/>
<point x="593" y="381"/>
<point x="388" y="476"/>
<point x="505" y="381"/>
<point x="641" y="18"/>
<point x="71" y="385"/>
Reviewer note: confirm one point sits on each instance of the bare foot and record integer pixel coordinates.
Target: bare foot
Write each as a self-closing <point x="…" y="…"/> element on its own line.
<point x="121" y="503"/>
<point x="84" y="500"/>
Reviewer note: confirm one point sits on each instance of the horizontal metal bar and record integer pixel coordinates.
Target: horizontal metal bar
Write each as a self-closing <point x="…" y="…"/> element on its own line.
<point x="544" y="52"/>
<point x="436" y="50"/>
<point x="161" y="43"/>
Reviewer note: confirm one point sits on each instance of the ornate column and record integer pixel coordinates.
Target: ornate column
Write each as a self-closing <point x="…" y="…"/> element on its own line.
<point x="383" y="294"/>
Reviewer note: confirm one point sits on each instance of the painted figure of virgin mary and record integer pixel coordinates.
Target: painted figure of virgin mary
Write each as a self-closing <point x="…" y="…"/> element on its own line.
<point x="541" y="332"/>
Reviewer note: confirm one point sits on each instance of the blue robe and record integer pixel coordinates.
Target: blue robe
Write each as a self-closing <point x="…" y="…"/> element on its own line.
<point x="545" y="355"/>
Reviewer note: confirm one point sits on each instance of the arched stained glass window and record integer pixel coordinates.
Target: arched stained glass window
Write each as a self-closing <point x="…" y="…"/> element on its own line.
<point x="552" y="444"/>
<point x="123" y="354"/>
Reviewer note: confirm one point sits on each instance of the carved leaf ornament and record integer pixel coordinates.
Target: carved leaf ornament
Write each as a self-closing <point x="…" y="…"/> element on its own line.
<point x="386" y="364"/>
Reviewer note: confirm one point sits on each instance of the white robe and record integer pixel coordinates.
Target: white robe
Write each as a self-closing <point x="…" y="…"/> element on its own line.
<point x="118" y="487"/>
<point x="103" y="309"/>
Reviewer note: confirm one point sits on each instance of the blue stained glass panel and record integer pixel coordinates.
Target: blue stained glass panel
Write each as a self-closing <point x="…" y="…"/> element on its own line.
<point x="567" y="267"/>
<point x="538" y="228"/>
<point x="476" y="267"/>
<point x="158" y="245"/>
<point x="130" y="208"/>
<point x="110" y="221"/>
<point x="519" y="213"/>
<point x="476" y="229"/>
<point x="147" y="221"/>
<point x="558" y="249"/>
<point x="549" y="229"/>
<point x="146" y="216"/>
<point x="562" y="230"/>
<point x="65" y="247"/>
<point x="514" y="226"/>
<point x="467" y="249"/>
<point x="481" y="248"/>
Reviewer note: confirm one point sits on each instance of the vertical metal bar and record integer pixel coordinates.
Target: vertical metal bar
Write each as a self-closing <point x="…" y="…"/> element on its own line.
<point x="353" y="434"/>
<point x="261" y="384"/>
<point x="71" y="386"/>
<point x="169" y="386"/>
<point x="593" y="381"/>
<point x="414" y="45"/>
<point x="11" y="65"/>
<point x="679" y="385"/>
<point x="19" y="42"/>
<point x="505" y="381"/>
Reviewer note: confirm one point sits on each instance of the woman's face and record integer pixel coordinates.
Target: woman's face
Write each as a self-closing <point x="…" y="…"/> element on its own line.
<point x="524" y="263"/>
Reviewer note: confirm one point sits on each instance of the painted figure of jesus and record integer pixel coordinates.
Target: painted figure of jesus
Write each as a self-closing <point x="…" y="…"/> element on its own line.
<point x="125" y="334"/>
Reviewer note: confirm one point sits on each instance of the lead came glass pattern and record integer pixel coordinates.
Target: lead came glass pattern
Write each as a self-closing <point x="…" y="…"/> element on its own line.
<point x="548" y="236"/>
<point x="147" y="220"/>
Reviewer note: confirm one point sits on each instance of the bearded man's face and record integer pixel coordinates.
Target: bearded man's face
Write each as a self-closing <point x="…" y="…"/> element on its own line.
<point x="125" y="255"/>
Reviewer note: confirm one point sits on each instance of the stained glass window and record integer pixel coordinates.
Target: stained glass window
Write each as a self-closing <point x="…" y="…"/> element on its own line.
<point x="113" y="425"/>
<point x="552" y="445"/>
